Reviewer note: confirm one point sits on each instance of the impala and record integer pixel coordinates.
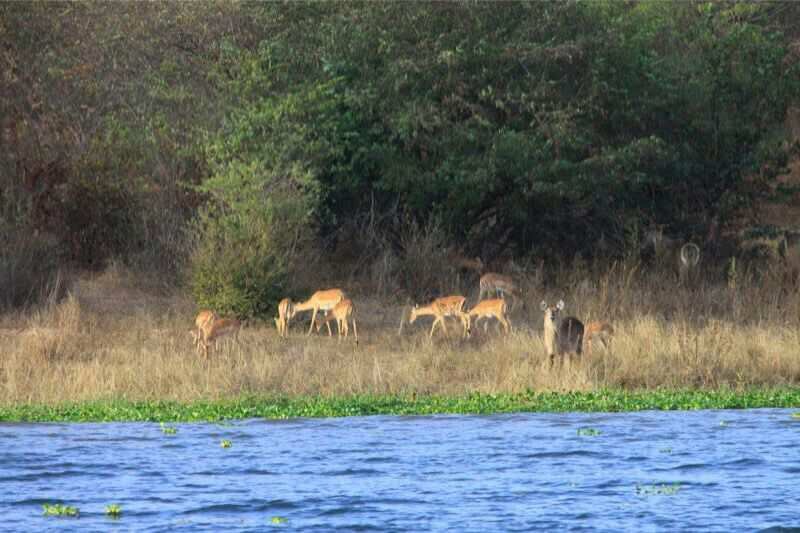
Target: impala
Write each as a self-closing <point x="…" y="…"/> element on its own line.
<point x="320" y="301"/>
<point x="561" y="336"/>
<point x="602" y="331"/>
<point x="286" y="311"/>
<point x="203" y="317"/>
<point x="342" y="312"/>
<point x="441" y="308"/>
<point x="495" y="308"/>
<point x="500" y="285"/>
<point x="216" y="328"/>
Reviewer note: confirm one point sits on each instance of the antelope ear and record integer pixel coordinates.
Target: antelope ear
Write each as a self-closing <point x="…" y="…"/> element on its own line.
<point x="560" y="305"/>
<point x="543" y="305"/>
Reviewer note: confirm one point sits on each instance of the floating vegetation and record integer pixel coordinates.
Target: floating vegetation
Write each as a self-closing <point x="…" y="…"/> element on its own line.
<point x="796" y="415"/>
<point x="59" y="510"/>
<point x="225" y="443"/>
<point x="665" y="450"/>
<point x="276" y="520"/>
<point x="588" y="432"/>
<point x="358" y="405"/>
<point x="662" y="489"/>
<point x="113" y="510"/>
<point x="168" y="430"/>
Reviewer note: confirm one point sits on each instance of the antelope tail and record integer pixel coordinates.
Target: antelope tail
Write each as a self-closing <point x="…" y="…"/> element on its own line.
<point x="690" y="254"/>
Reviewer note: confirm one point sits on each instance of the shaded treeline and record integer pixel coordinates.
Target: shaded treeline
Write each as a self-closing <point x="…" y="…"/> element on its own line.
<point x="239" y="143"/>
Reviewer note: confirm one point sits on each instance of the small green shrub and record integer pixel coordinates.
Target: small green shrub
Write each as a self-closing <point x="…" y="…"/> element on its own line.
<point x="240" y="261"/>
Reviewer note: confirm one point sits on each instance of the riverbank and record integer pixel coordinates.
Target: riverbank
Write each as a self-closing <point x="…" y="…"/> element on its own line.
<point x="114" y="338"/>
<point x="365" y="405"/>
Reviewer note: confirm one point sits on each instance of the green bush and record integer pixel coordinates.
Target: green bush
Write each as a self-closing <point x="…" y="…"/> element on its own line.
<point x="237" y="269"/>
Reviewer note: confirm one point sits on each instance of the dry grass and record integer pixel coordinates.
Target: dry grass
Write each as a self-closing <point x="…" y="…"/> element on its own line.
<point x="117" y="336"/>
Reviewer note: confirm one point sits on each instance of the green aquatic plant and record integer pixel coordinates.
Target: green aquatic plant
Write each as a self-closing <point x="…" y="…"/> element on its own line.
<point x="662" y="489"/>
<point x="114" y="510"/>
<point x="588" y="432"/>
<point x="665" y="450"/>
<point x="276" y="520"/>
<point x="281" y="407"/>
<point x="58" y="509"/>
<point x="168" y="430"/>
<point x="225" y="443"/>
<point x="796" y="415"/>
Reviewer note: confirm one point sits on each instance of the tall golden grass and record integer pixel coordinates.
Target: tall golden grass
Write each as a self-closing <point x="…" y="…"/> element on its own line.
<point x="117" y="335"/>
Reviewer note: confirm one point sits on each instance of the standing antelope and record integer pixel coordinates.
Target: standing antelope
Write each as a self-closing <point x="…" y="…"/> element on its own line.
<point x="286" y="311"/>
<point x="561" y="336"/>
<point x="683" y="255"/>
<point x="215" y="328"/>
<point x="203" y="317"/>
<point x="602" y="331"/>
<point x="320" y="301"/>
<point x="441" y="308"/>
<point x="342" y="312"/>
<point x="487" y="309"/>
<point x="500" y="285"/>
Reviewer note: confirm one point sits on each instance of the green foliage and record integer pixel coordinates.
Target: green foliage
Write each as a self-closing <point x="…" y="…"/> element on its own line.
<point x="225" y="443"/>
<point x="59" y="510"/>
<point x="113" y="510"/>
<point x="239" y="263"/>
<point x="361" y="405"/>
<point x="537" y="124"/>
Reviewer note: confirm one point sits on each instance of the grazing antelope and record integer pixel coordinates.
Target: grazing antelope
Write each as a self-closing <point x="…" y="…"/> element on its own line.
<point x="561" y="336"/>
<point x="487" y="309"/>
<point x="441" y="308"/>
<point x="203" y="317"/>
<point x="602" y="331"/>
<point x="500" y="285"/>
<point x="342" y="312"/>
<point x="286" y="311"/>
<point x="216" y="328"/>
<point x="320" y="301"/>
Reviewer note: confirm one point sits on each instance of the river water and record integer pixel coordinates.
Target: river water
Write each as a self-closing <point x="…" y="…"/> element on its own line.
<point x="645" y="471"/>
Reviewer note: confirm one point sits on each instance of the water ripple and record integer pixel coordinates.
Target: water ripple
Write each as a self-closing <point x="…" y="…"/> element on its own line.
<point x="521" y="472"/>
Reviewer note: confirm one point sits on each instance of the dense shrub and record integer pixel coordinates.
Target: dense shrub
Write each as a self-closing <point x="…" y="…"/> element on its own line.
<point x="29" y="268"/>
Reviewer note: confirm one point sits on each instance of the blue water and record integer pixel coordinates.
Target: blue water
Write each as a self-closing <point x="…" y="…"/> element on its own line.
<point x="647" y="471"/>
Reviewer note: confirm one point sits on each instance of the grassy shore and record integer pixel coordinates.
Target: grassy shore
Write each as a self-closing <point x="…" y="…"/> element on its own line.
<point x="476" y="403"/>
<point x="118" y="348"/>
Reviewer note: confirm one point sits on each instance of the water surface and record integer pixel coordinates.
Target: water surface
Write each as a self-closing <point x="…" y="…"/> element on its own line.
<point x="645" y="471"/>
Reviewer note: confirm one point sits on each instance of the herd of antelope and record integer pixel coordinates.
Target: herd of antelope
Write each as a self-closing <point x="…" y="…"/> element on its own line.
<point x="561" y="336"/>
